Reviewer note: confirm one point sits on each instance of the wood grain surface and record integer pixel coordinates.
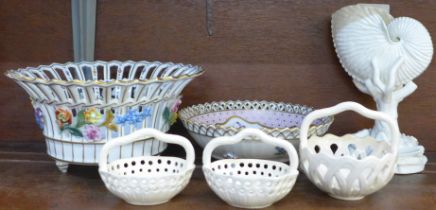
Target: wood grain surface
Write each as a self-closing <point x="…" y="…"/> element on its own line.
<point x="261" y="49"/>
<point x="31" y="181"/>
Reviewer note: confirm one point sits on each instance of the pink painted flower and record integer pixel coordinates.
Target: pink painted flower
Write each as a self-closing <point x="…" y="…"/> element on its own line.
<point x="93" y="133"/>
<point x="175" y="107"/>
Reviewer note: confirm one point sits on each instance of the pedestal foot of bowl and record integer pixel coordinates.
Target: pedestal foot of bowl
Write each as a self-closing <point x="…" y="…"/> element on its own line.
<point x="62" y="166"/>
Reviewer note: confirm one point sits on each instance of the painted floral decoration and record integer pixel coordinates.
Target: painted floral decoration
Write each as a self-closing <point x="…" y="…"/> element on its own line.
<point x="93" y="133"/>
<point x="39" y="118"/>
<point x="170" y="114"/>
<point x="133" y="116"/>
<point x="280" y="151"/>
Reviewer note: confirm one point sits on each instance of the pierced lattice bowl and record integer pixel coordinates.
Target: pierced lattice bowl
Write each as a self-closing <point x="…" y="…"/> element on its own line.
<point x="81" y="106"/>
<point x="348" y="167"/>
<point x="250" y="183"/>
<point x="147" y="180"/>
<point x="281" y="120"/>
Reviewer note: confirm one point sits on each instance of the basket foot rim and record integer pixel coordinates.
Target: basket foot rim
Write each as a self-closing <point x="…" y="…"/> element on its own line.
<point x="250" y="207"/>
<point x="139" y="203"/>
<point x="348" y="198"/>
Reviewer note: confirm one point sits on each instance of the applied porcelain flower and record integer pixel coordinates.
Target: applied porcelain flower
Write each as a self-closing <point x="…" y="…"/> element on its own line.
<point x="93" y="133"/>
<point x="92" y="115"/>
<point x="39" y="118"/>
<point x="133" y="116"/>
<point x="63" y="116"/>
<point x="176" y="106"/>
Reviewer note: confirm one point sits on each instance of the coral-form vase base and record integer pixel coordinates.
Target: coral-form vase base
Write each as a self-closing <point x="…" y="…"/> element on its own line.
<point x="411" y="168"/>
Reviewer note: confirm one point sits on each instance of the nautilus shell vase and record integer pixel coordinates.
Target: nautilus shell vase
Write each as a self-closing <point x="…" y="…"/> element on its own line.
<point x="363" y="34"/>
<point x="383" y="55"/>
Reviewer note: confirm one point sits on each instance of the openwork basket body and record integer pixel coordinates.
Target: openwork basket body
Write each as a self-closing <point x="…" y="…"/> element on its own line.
<point x="250" y="183"/>
<point x="147" y="180"/>
<point x="81" y="106"/>
<point x="348" y="167"/>
<point x="226" y="118"/>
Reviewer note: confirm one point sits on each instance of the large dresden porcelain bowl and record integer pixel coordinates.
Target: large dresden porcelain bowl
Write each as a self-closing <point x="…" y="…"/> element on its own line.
<point x="80" y="106"/>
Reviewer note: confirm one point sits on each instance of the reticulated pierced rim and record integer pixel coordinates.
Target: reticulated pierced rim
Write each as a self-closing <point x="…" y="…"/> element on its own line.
<point x="348" y="147"/>
<point x="326" y="169"/>
<point x="251" y="169"/>
<point x="149" y="167"/>
<point x="214" y="130"/>
<point x="126" y="73"/>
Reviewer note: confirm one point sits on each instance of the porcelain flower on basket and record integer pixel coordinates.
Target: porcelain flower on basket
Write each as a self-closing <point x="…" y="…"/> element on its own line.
<point x="170" y="114"/>
<point x="39" y="118"/>
<point x="176" y="106"/>
<point x="133" y="116"/>
<point x="92" y="116"/>
<point x="63" y="117"/>
<point x="93" y="133"/>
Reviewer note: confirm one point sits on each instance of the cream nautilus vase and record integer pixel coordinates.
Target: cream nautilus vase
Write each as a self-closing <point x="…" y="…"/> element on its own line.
<point x="383" y="55"/>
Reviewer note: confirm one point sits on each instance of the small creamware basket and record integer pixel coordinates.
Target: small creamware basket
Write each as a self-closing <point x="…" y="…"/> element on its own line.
<point x="250" y="183"/>
<point x="147" y="180"/>
<point x="348" y="167"/>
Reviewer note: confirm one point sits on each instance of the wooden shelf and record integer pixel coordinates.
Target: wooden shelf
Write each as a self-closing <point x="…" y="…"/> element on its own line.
<point x="30" y="180"/>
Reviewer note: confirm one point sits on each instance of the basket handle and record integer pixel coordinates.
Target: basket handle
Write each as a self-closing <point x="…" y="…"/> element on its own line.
<point x="353" y="106"/>
<point x="146" y="133"/>
<point x="250" y="132"/>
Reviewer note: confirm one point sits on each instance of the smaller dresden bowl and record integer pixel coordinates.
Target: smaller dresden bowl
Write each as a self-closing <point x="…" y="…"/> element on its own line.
<point x="226" y="118"/>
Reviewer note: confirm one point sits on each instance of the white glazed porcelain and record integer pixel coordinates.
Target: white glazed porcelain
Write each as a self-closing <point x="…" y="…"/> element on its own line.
<point x="81" y="106"/>
<point x="226" y="118"/>
<point x="364" y="33"/>
<point x="146" y="180"/>
<point x="384" y="55"/>
<point x="348" y="167"/>
<point x="250" y="183"/>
